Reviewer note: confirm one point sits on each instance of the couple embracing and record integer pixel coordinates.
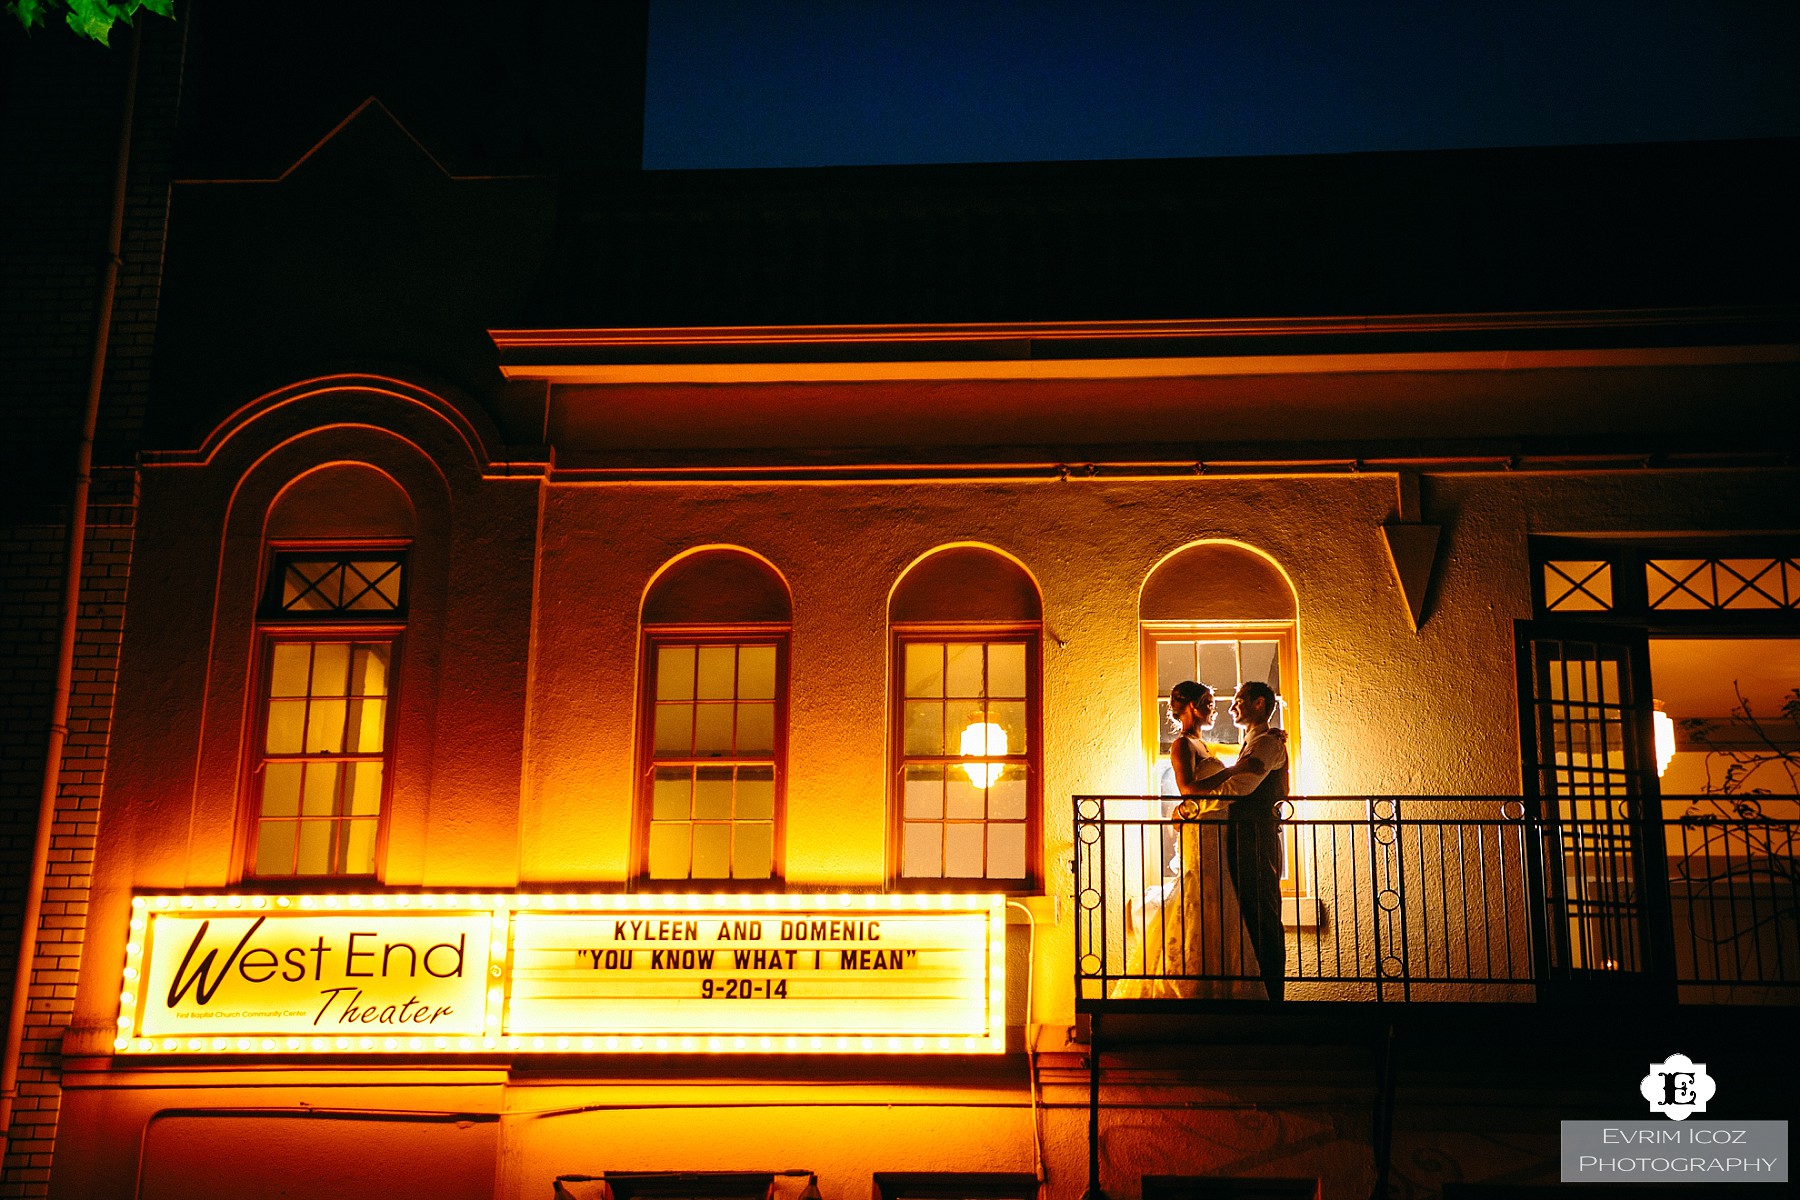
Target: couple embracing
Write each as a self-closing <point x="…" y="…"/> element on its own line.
<point x="1221" y="914"/>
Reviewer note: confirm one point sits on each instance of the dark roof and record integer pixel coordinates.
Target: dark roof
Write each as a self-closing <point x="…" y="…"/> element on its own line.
<point x="1637" y="226"/>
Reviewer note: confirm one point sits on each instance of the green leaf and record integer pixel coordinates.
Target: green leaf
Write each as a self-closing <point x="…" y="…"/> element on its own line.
<point x="29" y="12"/>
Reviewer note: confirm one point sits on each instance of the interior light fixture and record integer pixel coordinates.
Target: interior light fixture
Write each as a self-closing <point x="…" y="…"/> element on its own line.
<point x="1664" y="727"/>
<point x="979" y="739"/>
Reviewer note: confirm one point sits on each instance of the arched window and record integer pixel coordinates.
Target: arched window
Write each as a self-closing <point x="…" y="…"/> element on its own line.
<point x="329" y="626"/>
<point x="1220" y="614"/>
<point x="966" y="624"/>
<point x="713" y="749"/>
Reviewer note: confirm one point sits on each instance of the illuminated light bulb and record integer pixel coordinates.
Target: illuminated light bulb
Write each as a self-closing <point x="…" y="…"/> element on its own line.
<point x="144" y="1046"/>
<point x="612" y="1043"/>
<point x="138" y="924"/>
<point x="354" y="901"/>
<point x="378" y="901"/>
<point x="293" y="1043"/>
<point x="441" y="1043"/>
<point x="368" y="1043"/>
<point x="137" y="902"/>
<point x="196" y="1044"/>
<point x="243" y="1043"/>
<point x="187" y="902"/>
<point x="127" y="999"/>
<point x="124" y="1022"/>
<point x="121" y="1043"/>
<point x="162" y="902"/>
<point x="1664" y="727"/>
<point x="331" y="902"/>
<point x="171" y="1043"/>
<point x="493" y="1018"/>
<point x="562" y="1043"/>
<point x="211" y="902"/>
<point x="219" y="1044"/>
<point x="391" y="1044"/>
<point x="343" y="1043"/>
<point x="402" y="901"/>
<point x="260" y="902"/>
<point x="687" y="1043"/>
<point x="131" y="972"/>
<point x="268" y="1043"/>
<point x="587" y="1043"/>
<point x="978" y="740"/>
<point x="236" y="902"/>
<point x="488" y="1043"/>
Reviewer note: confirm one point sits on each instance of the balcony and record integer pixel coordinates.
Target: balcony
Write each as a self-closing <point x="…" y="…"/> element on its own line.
<point x="1391" y="899"/>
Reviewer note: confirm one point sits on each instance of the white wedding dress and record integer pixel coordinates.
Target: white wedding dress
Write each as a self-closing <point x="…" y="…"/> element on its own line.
<point x="1190" y="924"/>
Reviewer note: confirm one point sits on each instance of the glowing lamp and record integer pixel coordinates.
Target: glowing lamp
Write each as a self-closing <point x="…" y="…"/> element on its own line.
<point x="1664" y="727"/>
<point x="983" y="738"/>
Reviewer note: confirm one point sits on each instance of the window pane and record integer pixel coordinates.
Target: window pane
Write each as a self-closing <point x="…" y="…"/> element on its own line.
<point x="924" y="727"/>
<point x="755" y="793"/>
<point x="712" y="794"/>
<point x="1006" y="795"/>
<point x="753" y="853"/>
<point x="712" y="728"/>
<point x="1218" y="667"/>
<point x="289" y="668"/>
<point x="964" y="797"/>
<point x="1259" y="659"/>
<point x="281" y="789"/>
<point x="922" y="850"/>
<point x="674" y="729"/>
<point x="756" y="729"/>
<point x="365" y="797"/>
<point x="1006" y="670"/>
<point x="369" y="670"/>
<point x="287" y="723"/>
<point x="364" y="726"/>
<point x="359" y="847"/>
<point x="756" y="673"/>
<point x="924" y="792"/>
<point x="962" y="851"/>
<point x="674" y="672"/>
<point x="318" y="798"/>
<point x="315" y="847"/>
<point x="672" y="794"/>
<point x="924" y="669"/>
<point x="669" y="850"/>
<point x="330" y="668"/>
<point x="963" y="724"/>
<point x="325" y="726"/>
<point x="275" y="848"/>
<point x="1009" y="715"/>
<point x="1006" y="852"/>
<point x="712" y="852"/>
<point x="1174" y="663"/>
<point x="717" y="673"/>
<point x="963" y="669"/>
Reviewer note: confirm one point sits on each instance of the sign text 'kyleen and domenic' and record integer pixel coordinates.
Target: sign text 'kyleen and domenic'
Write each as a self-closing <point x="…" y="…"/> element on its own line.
<point x="435" y="974"/>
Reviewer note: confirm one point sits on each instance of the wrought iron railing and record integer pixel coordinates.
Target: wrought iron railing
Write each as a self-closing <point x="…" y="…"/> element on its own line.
<point x="1447" y="898"/>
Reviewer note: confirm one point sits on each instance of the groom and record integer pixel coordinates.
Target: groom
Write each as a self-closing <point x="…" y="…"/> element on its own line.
<point x="1253" y="826"/>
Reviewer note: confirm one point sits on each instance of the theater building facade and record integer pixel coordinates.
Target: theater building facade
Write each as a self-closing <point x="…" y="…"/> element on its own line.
<point x="477" y="818"/>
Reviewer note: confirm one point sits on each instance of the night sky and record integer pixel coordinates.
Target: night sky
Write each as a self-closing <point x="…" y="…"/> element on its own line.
<point x="796" y="83"/>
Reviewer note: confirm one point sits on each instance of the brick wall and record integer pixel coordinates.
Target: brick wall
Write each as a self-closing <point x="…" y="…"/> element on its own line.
<point x="59" y="122"/>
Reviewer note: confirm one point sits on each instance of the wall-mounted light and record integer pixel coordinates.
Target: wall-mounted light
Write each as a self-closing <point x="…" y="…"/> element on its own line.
<point x="1664" y="727"/>
<point x="980" y="739"/>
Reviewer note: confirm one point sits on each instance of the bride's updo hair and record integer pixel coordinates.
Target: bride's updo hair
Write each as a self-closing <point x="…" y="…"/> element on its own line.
<point x="1189" y="692"/>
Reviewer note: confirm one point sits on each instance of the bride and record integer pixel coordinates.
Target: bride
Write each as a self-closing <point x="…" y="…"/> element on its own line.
<point x="1190" y="924"/>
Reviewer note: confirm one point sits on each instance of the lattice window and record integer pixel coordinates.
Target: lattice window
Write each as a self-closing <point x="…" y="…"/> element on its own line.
<point x="313" y="586"/>
<point x="324" y="758"/>
<point x="966" y="765"/>
<point x="1702" y="584"/>
<point x="1577" y="586"/>
<point x="715" y="759"/>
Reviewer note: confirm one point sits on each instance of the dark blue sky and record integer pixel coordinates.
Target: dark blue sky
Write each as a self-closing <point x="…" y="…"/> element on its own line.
<point x="837" y="82"/>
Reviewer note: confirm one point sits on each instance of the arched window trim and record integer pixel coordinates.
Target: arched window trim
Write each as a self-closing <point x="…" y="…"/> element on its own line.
<point x="900" y="634"/>
<point x="274" y="629"/>
<point x="651" y="638"/>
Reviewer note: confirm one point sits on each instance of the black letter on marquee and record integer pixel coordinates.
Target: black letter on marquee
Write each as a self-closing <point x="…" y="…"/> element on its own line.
<point x="203" y="994"/>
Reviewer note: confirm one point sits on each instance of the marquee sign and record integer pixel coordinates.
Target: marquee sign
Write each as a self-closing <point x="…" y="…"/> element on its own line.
<point x="562" y="974"/>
